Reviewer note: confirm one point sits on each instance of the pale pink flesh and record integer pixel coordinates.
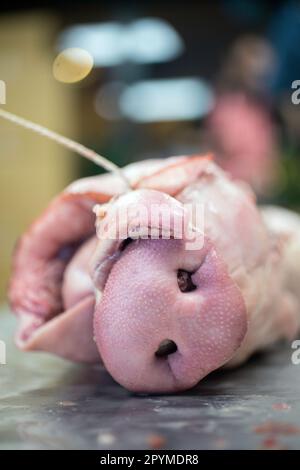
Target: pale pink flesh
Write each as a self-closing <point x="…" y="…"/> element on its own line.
<point x="241" y="276"/>
<point x="143" y="305"/>
<point x="69" y="334"/>
<point x="50" y="280"/>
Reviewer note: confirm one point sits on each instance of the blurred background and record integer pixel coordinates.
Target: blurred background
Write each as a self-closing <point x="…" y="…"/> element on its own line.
<point x="136" y="81"/>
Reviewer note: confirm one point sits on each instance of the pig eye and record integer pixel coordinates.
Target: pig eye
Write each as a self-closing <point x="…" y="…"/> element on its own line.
<point x="184" y="279"/>
<point x="166" y="347"/>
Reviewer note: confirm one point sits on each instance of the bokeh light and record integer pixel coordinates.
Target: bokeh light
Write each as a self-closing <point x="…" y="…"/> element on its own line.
<point x="72" y="65"/>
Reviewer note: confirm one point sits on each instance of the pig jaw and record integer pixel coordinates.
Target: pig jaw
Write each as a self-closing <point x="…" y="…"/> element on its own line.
<point x="143" y="305"/>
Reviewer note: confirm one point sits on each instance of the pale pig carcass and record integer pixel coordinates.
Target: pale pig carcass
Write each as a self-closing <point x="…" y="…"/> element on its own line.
<point x="158" y="315"/>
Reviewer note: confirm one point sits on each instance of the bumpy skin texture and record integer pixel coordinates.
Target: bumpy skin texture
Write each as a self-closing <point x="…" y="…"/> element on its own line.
<point x="87" y="296"/>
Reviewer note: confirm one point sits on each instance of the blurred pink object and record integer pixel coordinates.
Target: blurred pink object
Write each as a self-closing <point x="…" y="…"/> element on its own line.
<point x="245" y="140"/>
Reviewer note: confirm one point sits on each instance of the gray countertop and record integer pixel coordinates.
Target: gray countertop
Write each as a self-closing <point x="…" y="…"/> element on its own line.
<point x="48" y="403"/>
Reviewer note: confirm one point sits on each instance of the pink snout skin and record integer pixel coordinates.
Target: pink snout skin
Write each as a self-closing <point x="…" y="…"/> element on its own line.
<point x="143" y="305"/>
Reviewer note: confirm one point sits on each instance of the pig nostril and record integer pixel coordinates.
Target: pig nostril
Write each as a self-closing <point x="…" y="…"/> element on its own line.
<point x="166" y="347"/>
<point x="125" y="243"/>
<point x="184" y="279"/>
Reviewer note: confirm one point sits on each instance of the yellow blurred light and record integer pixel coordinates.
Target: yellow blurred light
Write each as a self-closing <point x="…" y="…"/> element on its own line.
<point x="72" y="65"/>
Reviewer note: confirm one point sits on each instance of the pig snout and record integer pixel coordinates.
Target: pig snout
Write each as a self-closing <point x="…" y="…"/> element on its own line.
<point x="168" y="316"/>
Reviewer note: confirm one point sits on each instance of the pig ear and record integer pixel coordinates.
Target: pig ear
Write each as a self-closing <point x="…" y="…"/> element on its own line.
<point x="69" y="335"/>
<point x="39" y="263"/>
<point x="173" y="178"/>
<point x="44" y="250"/>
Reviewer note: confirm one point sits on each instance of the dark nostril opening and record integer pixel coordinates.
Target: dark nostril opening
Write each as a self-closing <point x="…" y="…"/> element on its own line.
<point x="125" y="243"/>
<point x="166" y="347"/>
<point x="184" y="279"/>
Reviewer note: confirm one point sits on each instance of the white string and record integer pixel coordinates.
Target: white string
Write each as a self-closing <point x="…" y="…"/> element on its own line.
<point x="66" y="142"/>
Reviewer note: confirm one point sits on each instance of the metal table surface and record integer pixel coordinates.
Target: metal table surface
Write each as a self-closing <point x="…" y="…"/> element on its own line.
<point x="49" y="403"/>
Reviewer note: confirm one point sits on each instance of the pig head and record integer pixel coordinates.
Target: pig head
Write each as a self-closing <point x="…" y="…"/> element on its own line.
<point x="160" y="315"/>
